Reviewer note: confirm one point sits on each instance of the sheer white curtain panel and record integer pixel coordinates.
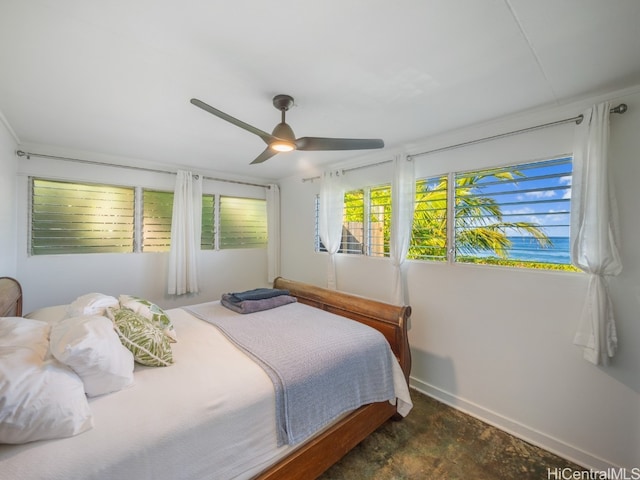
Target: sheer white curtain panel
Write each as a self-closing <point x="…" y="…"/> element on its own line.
<point x="330" y="221"/>
<point x="273" y="232"/>
<point x="594" y="234"/>
<point x="186" y="228"/>
<point x="403" y="192"/>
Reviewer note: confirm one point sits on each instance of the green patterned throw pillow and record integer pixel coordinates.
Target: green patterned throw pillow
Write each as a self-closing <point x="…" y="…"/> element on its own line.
<point x="150" y="311"/>
<point x="149" y="344"/>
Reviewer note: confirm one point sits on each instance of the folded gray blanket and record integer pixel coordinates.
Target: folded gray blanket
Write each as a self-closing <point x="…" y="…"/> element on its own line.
<point x="258" y="294"/>
<point x="251" y="306"/>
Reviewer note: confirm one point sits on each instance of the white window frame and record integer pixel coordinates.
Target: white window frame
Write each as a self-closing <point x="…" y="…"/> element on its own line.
<point x="137" y="221"/>
<point x="128" y="241"/>
<point x="563" y="185"/>
<point x="367" y="235"/>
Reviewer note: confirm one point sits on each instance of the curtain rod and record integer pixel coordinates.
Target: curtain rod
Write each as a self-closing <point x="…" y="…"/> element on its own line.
<point x="622" y="108"/>
<point x="22" y="153"/>
<point x="345" y="170"/>
<point x="578" y="120"/>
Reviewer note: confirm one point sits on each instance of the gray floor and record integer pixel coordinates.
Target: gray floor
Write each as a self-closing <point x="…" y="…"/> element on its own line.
<point x="436" y="441"/>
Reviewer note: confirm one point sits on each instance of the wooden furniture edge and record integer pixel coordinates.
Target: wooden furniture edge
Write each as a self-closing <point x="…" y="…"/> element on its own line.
<point x="10" y="297"/>
<point x="313" y="458"/>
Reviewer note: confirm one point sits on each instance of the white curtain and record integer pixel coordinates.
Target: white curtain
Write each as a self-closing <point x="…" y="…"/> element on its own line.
<point x="273" y="226"/>
<point x="330" y="222"/>
<point x="594" y="233"/>
<point x="185" y="234"/>
<point x="403" y="190"/>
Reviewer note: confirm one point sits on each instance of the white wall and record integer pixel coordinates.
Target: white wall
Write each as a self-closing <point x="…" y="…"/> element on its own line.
<point x="497" y="342"/>
<point x="8" y="212"/>
<point x="58" y="279"/>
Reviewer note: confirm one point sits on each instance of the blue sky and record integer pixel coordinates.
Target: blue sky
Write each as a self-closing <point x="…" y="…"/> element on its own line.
<point x="538" y="196"/>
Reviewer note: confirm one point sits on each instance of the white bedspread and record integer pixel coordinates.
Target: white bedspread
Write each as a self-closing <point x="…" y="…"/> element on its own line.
<point x="197" y="419"/>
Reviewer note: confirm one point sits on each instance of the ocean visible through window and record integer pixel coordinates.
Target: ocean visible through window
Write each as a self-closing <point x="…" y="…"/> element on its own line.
<point x="515" y="216"/>
<point x="527" y="249"/>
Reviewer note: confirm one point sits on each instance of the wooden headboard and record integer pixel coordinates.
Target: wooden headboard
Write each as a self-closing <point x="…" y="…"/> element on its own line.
<point x="10" y="297"/>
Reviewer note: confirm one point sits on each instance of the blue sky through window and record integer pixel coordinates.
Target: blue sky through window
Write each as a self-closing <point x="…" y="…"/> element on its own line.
<point x="540" y="195"/>
<point x="537" y="193"/>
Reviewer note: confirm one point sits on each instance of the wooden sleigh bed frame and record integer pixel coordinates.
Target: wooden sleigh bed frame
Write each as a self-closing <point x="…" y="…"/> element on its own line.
<point x="319" y="453"/>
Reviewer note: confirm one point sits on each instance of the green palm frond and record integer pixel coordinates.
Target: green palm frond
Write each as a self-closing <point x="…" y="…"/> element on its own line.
<point x="479" y="221"/>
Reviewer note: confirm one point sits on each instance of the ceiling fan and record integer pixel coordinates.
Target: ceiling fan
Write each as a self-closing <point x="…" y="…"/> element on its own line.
<point x="282" y="139"/>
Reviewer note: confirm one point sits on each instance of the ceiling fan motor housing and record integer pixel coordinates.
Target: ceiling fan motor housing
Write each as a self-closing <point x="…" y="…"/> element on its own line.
<point x="284" y="131"/>
<point x="283" y="102"/>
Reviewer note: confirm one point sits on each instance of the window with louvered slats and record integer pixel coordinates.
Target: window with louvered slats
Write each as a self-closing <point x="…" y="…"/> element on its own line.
<point x="243" y="223"/>
<point x="353" y="223"/>
<point x="379" y="224"/>
<point x="80" y="218"/>
<point x="157" y="217"/>
<point x="70" y="217"/>
<point x="208" y="233"/>
<point x="520" y="212"/>
<point x="429" y="231"/>
<point x="157" y="212"/>
<point x="366" y="222"/>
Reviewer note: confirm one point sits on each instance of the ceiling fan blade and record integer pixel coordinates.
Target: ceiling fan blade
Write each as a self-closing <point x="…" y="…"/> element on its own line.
<point x="265" y="155"/>
<point x="267" y="137"/>
<point x="319" y="143"/>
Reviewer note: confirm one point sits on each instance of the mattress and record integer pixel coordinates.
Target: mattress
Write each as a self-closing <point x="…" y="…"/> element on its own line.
<point x="210" y="415"/>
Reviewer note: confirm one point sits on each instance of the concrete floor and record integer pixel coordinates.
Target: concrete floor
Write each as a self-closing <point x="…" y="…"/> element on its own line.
<point x="436" y="441"/>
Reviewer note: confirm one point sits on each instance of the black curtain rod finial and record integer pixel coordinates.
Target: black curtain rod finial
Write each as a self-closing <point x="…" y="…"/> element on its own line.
<point x="622" y="108"/>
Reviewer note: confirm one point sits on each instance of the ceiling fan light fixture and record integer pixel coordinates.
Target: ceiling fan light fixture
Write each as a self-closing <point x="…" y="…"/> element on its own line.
<point x="282" y="146"/>
<point x="285" y="138"/>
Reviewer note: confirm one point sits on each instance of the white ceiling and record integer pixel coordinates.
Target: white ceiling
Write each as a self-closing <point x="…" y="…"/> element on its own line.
<point x="115" y="77"/>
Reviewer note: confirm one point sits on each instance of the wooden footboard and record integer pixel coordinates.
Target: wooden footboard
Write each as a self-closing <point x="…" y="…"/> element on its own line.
<point x="317" y="455"/>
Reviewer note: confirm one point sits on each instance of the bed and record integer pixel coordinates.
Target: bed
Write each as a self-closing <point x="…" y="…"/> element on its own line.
<point x="161" y="426"/>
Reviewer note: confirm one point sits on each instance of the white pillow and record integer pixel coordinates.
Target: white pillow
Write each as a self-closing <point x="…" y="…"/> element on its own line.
<point x="40" y="399"/>
<point x="49" y="314"/>
<point x="91" y="304"/>
<point x="22" y="332"/>
<point x="91" y="347"/>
